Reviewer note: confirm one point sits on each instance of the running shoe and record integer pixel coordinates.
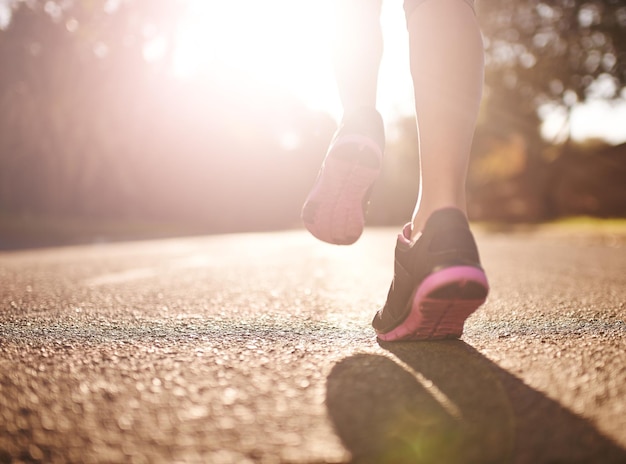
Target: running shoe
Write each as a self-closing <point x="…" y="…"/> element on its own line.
<point x="335" y="208"/>
<point x="438" y="281"/>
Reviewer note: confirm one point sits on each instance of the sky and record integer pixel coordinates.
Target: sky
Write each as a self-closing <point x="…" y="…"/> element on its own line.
<point x="596" y="118"/>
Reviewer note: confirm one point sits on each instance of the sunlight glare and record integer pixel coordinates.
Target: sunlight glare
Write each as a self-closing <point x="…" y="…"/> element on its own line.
<point x="281" y="44"/>
<point x="5" y="14"/>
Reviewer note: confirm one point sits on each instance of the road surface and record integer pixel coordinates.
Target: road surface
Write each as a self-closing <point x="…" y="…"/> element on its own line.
<point x="257" y="348"/>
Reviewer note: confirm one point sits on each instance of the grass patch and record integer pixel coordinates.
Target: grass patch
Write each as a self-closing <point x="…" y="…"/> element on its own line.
<point x="590" y="223"/>
<point x="575" y="226"/>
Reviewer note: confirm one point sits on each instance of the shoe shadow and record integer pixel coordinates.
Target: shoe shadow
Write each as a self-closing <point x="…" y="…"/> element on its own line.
<point x="443" y="402"/>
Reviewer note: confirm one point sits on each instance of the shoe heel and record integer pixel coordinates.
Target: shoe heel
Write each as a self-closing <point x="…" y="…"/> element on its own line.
<point x="441" y="304"/>
<point x="367" y="154"/>
<point x="334" y="210"/>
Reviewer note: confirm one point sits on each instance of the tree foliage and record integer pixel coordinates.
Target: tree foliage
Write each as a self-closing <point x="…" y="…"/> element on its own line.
<point x="89" y="127"/>
<point x="559" y="52"/>
<point x="540" y="56"/>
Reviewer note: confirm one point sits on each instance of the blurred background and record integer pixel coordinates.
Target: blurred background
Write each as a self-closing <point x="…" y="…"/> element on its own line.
<point x="146" y="118"/>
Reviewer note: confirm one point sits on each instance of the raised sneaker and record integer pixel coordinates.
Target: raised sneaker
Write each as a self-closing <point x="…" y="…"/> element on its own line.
<point x="335" y="208"/>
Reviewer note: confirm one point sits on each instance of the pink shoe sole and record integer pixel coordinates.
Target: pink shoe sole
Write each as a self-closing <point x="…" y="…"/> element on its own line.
<point x="441" y="304"/>
<point x="334" y="211"/>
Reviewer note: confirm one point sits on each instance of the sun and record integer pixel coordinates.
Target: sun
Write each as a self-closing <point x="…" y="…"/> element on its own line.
<point x="280" y="44"/>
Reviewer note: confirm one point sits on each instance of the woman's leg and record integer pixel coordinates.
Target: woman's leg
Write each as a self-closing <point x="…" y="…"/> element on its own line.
<point x="446" y="53"/>
<point x="358" y="49"/>
<point x="334" y="210"/>
<point x="438" y="279"/>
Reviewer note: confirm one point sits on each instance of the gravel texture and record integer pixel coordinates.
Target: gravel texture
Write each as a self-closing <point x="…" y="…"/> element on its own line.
<point x="256" y="348"/>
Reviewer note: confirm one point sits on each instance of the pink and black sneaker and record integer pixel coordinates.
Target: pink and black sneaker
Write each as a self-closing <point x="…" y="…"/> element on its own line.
<point x="438" y="282"/>
<point x="335" y="209"/>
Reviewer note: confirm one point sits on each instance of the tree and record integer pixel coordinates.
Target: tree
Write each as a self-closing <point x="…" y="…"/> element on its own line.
<point x="539" y="55"/>
<point x="71" y="69"/>
<point x="90" y="128"/>
<point x="552" y="53"/>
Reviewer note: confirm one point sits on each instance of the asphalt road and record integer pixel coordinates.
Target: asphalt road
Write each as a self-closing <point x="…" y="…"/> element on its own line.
<point x="257" y="348"/>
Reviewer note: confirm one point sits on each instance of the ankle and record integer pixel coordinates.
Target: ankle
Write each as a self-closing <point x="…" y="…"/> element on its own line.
<point x="423" y="213"/>
<point x="365" y="120"/>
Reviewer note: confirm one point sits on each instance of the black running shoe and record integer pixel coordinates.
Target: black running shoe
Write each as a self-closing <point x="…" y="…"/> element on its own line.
<point x="335" y="208"/>
<point x="438" y="282"/>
